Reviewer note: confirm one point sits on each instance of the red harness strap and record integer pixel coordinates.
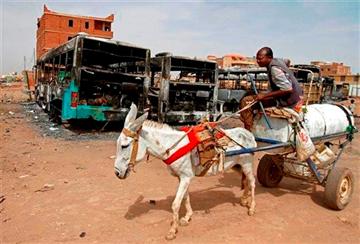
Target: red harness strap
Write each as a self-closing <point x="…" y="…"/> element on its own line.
<point x="193" y="141"/>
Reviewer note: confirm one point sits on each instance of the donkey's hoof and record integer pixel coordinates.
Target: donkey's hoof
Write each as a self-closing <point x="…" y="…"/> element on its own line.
<point x="184" y="222"/>
<point x="170" y="236"/>
<point x="244" y="202"/>
<point x="251" y="212"/>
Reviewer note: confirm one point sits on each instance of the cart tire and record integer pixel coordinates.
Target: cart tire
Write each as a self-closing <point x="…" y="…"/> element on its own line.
<point x="269" y="171"/>
<point x="339" y="188"/>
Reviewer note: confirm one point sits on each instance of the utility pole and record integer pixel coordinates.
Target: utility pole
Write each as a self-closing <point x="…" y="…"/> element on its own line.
<point x="26" y="77"/>
<point x="34" y="57"/>
<point x="357" y="84"/>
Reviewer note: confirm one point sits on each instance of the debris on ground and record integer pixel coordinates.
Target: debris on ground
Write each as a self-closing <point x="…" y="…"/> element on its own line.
<point x="46" y="187"/>
<point x="83" y="130"/>
<point x="2" y="198"/>
<point x="344" y="220"/>
<point x="23" y="176"/>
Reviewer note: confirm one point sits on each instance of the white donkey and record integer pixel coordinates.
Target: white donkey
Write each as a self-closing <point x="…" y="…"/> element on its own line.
<point x="140" y="137"/>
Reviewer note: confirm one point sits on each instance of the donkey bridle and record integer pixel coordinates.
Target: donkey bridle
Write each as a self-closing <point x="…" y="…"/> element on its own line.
<point x="135" y="143"/>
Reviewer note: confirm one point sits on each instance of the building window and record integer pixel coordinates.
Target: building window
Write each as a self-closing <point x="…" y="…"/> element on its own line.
<point x="71" y="23"/>
<point x="342" y="78"/>
<point x="87" y="25"/>
<point x="356" y="78"/>
<point x="69" y="38"/>
<point x="107" y="27"/>
<point x="98" y="25"/>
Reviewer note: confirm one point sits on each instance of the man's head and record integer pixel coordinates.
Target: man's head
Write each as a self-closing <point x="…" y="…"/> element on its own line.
<point x="264" y="56"/>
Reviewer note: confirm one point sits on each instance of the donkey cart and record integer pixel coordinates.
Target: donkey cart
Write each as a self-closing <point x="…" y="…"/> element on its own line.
<point x="320" y="168"/>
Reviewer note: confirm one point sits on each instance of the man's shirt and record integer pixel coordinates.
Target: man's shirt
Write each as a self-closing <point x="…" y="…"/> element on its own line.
<point x="280" y="79"/>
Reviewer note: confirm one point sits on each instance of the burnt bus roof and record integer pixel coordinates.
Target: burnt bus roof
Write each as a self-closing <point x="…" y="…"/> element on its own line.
<point x="313" y="68"/>
<point x="178" y="63"/>
<point x="71" y="44"/>
<point x="236" y="70"/>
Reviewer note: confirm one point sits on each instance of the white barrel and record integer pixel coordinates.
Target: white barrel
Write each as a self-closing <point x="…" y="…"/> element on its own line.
<point x="319" y="120"/>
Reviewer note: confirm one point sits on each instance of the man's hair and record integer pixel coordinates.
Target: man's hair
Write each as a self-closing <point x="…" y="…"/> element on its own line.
<point x="268" y="52"/>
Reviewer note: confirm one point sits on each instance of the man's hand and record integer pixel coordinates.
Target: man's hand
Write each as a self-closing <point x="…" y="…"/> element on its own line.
<point x="260" y="96"/>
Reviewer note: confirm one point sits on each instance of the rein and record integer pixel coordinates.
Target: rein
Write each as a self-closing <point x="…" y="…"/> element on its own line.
<point x="239" y="111"/>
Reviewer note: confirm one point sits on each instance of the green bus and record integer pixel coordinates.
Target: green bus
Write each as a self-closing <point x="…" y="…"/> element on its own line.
<point x="92" y="78"/>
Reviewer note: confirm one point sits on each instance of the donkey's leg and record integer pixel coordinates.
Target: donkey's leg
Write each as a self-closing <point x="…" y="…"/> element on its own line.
<point x="182" y="189"/>
<point x="189" y="212"/>
<point x="245" y="196"/>
<point x="248" y="170"/>
<point x="244" y="183"/>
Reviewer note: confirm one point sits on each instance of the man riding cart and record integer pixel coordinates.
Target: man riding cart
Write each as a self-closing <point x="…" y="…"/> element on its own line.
<point x="285" y="89"/>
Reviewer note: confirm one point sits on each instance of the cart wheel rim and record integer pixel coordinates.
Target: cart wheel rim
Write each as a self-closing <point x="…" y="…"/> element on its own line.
<point x="345" y="190"/>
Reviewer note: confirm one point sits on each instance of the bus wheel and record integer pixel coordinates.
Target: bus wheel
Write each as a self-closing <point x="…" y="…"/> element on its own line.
<point x="55" y="111"/>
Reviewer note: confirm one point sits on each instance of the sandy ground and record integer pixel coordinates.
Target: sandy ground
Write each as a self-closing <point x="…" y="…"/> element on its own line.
<point x="64" y="190"/>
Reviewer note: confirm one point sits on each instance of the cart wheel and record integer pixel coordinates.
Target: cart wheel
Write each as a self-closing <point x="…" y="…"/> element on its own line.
<point x="339" y="188"/>
<point x="269" y="171"/>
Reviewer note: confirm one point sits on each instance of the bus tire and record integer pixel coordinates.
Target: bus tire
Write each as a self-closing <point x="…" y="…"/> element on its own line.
<point x="55" y="111"/>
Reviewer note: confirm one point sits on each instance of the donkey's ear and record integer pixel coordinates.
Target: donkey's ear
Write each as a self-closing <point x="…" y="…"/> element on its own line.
<point x="131" y="116"/>
<point x="134" y="126"/>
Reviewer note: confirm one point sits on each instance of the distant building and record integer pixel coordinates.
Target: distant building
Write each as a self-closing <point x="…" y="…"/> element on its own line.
<point x="332" y="69"/>
<point x="233" y="60"/>
<point x="55" y="29"/>
<point x="351" y="79"/>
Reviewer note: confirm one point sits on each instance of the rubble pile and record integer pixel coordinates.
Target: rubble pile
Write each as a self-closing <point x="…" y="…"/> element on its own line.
<point x="81" y="130"/>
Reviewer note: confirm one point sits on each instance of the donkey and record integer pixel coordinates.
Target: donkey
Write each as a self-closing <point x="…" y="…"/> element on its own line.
<point x="140" y="137"/>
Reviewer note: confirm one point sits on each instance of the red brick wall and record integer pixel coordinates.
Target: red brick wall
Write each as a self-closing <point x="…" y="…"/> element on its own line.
<point x="335" y="69"/>
<point x="54" y="30"/>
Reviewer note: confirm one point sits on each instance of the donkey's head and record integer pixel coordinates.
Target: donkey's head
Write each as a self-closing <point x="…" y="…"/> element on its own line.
<point x="128" y="143"/>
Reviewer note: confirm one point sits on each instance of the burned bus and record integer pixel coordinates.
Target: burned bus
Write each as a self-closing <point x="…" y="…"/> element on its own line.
<point x="310" y="80"/>
<point x="92" y="78"/>
<point x="183" y="90"/>
<point x="234" y="84"/>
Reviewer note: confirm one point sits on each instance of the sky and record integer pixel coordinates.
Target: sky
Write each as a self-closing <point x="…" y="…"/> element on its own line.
<point x="302" y="31"/>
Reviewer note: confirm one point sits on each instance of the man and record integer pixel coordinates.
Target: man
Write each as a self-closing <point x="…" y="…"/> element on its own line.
<point x="285" y="90"/>
<point x="352" y="106"/>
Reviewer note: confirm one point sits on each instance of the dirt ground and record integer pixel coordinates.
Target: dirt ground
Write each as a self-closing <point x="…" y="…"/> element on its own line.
<point x="63" y="189"/>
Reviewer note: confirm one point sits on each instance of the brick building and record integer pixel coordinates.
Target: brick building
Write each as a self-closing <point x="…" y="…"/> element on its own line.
<point x="332" y="69"/>
<point x="57" y="28"/>
<point x="351" y="79"/>
<point x="233" y="60"/>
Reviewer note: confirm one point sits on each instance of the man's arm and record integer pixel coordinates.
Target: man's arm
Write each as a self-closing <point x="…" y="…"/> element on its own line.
<point x="273" y="94"/>
<point x="281" y="81"/>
